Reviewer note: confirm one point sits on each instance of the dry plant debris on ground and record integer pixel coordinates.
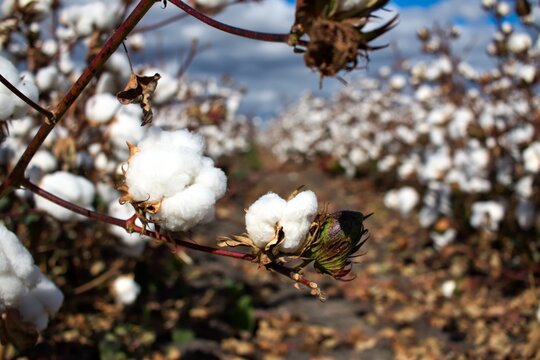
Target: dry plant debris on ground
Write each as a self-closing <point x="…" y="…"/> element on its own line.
<point x="408" y="300"/>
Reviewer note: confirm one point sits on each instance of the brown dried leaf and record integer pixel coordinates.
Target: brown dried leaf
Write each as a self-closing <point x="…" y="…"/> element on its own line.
<point x="14" y="330"/>
<point x="236" y="240"/>
<point x="139" y="90"/>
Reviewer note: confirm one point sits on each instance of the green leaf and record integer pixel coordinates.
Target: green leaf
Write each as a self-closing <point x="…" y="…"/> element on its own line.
<point x="182" y="335"/>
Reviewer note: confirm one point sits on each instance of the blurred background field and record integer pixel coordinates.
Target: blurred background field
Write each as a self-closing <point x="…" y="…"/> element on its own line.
<point x="443" y="151"/>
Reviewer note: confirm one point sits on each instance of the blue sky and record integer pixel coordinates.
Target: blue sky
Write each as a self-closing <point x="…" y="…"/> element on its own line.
<point x="273" y="75"/>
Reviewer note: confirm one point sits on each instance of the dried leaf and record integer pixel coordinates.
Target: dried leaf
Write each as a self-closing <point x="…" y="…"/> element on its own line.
<point x="139" y="90"/>
<point x="236" y="240"/>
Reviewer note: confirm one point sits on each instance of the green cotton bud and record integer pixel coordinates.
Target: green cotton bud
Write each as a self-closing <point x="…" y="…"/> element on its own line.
<point x="335" y="242"/>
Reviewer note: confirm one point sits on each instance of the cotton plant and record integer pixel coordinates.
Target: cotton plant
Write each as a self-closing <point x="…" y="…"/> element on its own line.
<point x="293" y="228"/>
<point x="125" y="289"/>
<point x="26" y="289"/>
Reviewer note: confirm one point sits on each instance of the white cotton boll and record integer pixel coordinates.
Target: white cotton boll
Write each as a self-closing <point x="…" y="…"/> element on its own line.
<point x="4" y="263"/>
<point x="28" y="88"/>
<point x="125" y="289"/>
<point x="519" y="42"/>
<point x="105" y="15"/>
<point x="47" y="78"/>
<point x="524" y="186"/>
<point x="11" y="289"/>
<point x="448" y="288"/>
<point x="398" y="82"/>
<point x="44" y="160"/>
<point x="525" y="214"/>
<point x="179" y="140"/>
<point x="101" y="108"/>
<point x="69" y="187"/>
<point x="262" y="217"/>
<point x="488" y="3"/>
<point x="118" y="64"/>
<point x="107" y="193"/>
<point x="186" y="209"/>
<point x="404" y="199"/>
<point x="155" y="173"/>
<point x="7" y="106"/>
<point x="486" y="215"/>
<point x="442" y="239"/>
<point x="214" y="179"/>
<point x="31" y="309"/>
<point x="424" y="93"/>
<point x="21" y="127"/>
<point x="503" y="8"/>
<point x="125" y="128"/>
<point x="48" y="294"/>
<point x="19" y="259"/>
<point x="8" y="70"/>
<point x="531" y="157"/>
<point x="527" y="73"/>
<point x="296" y="220"/>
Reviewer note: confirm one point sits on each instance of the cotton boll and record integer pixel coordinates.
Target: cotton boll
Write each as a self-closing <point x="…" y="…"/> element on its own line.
<point x="531" y="157"/>
<point x="48" y="295"/>
<point x="44" y="160"/>
<point x="9" y="72"/>
<point x="398" y="82"/>
<point x="442" y="239"/>
<point x="101" y="108"/>
<point x="125" y="289"/>
<point x="7" y="106"/>
<point x="262" y="217"/>
<point x="28" y="87"/>
<point x="186" y="209"/>
<point x="448" y="287"/>
<point x="525" y="214"/>
<point x="486" y="215"/>
<point x="527" y="73"/>
<point x="30" y="309"/>
<point x="47" y="78"/>
<point x="214" y="179"/>
<point x="11" y="289"/>
<point x="524" y="186"/>
<point x="296" y="220"/>
<point x="19" y="259"/>
<point x="404" y="199"/>
<point x="519" y="42"/>
<point x="124" y="128"/>
<point x="178" y="140"/>
<point x="69" y="187"/>
<point x="175" y="170"/>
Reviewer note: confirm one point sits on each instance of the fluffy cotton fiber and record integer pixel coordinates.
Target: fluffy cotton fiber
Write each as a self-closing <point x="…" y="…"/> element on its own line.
<point x="69" y="187"/>
<point x="22" y="285"/>
<point x="270" y="211"/>
<point x="169" y="168"/>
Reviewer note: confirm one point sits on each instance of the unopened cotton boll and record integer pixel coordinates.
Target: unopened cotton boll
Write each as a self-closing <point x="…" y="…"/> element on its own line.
<point x="296" y="220"/>
<point x="125" y="289"/>
<point x="69" y="187"/>
<point x="262" y="218"/>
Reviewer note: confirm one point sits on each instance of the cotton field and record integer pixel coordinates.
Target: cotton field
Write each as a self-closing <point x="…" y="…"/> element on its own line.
<point x="455" y="145"/>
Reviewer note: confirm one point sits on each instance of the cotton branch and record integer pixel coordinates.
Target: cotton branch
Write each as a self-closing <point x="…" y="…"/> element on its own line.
<point x="280" y="38"/>
<point x="173" y="243"/>
<point x="69" y="99"/>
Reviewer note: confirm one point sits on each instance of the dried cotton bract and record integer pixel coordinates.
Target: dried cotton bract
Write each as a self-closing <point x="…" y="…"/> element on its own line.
<point x="168" y="178"/>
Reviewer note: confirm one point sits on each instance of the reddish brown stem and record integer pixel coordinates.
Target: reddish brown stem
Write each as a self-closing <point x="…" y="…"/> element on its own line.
<point x="176" y="244"/>
<point x="280" y="38"/>
<point x="95" y="65"/>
